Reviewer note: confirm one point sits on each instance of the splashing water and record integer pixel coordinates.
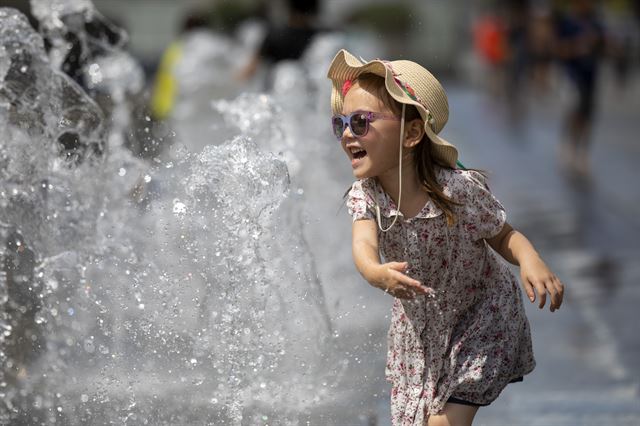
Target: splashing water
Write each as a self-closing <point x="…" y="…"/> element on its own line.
<point x="171" y="293"/>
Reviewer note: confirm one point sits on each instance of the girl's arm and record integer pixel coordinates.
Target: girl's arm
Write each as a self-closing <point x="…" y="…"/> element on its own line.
<point x="388" y="276"/>
<point x="515" y="248"/>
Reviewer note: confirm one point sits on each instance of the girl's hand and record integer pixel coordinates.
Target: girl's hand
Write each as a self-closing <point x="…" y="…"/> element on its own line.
<point x="536" y="275"/>
<point x="391" y="278"/>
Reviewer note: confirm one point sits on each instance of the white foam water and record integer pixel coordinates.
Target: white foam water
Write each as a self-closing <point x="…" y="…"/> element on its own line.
<point x="170" y="291"/>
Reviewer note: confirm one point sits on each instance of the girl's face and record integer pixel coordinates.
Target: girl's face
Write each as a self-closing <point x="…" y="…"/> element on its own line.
<point x="376" y="153"/>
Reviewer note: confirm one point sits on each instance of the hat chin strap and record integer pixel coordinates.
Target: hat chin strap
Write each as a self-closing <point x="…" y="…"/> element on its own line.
<point x="399" y="180"/>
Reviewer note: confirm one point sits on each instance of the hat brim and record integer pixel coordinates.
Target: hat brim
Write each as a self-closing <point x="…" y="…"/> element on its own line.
<point x="345" y="67"/>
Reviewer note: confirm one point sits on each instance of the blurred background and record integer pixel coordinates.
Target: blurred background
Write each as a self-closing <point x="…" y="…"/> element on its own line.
<point x="544" y="96"/>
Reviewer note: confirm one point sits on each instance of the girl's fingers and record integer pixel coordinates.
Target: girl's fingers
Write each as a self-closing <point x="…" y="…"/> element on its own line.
<point x="551" y="285"/>
<point x="410" y="282"/>
<point x="560" y="289"/>
<point x="416" y="286"/>
<point x="398" y="266"/>
<point x="528" y="288"/>
<point x="409" y="285"/>
<point x="556" y="292"/>
<point x="553" y="294"/>
<point x="405" y="286"/>
<point x="542" y="293"/>
<point x="405" y="280"/>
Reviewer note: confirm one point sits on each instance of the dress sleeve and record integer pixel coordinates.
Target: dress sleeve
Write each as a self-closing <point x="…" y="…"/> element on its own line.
<point x="360" y="202"/>
<point x="485" y="216"/>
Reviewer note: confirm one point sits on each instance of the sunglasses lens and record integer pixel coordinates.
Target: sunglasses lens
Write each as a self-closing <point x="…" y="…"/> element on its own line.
<point x="359" y="124"/>
<point x="338" y="126"/>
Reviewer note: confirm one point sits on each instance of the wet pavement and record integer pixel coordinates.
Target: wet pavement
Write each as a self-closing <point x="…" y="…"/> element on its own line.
<point x="588" y="353"/>
<point x="588" y="230"/>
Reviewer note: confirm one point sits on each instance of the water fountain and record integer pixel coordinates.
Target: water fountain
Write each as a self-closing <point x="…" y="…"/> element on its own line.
<point x="170" y="291"/>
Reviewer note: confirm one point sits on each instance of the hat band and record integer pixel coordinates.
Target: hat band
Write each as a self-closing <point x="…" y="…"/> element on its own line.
<point x="346" y="86"/>
<point x="406" y="88"/>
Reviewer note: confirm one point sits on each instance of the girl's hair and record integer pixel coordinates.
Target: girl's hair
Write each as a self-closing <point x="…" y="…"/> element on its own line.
<point x="422" y="158"/>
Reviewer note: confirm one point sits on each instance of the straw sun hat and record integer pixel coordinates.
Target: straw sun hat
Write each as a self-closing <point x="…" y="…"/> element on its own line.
<point x="408" y="83"/>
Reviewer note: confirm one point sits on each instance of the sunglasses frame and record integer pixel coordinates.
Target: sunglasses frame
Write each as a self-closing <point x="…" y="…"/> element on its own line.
<point x="370" y="116"/>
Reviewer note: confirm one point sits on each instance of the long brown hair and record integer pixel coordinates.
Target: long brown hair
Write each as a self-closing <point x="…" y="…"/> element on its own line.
<point x="424" y="162"/>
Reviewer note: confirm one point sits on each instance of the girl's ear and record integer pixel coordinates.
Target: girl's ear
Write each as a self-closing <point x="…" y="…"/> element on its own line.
<point x="414" y="131"/>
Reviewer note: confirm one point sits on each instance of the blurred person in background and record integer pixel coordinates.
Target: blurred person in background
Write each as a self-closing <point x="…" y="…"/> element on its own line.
<point x="517" y="56"/>
<point x="164" y="92"/>
<point x="165" y="87"/>
<point x="490" y="42"/>
<point x="623" y="32"/>
<point x="287" y="42"/>
<point x="501" y="41"/>
<point x="579" y="45"/>
<point x="541" y="38"/>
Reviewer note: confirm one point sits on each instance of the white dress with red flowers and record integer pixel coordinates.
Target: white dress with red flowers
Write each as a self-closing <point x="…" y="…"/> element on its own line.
<point x="471" y="337"/>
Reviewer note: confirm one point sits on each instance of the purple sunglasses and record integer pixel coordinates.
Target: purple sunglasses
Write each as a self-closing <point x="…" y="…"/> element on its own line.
<point x="357" y="121"/>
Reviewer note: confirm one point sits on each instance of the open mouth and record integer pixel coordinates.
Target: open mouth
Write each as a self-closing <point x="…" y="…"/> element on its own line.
<point x="358" y="153"/>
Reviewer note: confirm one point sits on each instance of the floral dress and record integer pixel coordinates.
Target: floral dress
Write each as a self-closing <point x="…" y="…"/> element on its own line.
<point x="470" y="337"/>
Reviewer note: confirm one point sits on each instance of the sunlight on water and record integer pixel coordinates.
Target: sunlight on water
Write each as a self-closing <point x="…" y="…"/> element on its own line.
<point x="164" y="292"/>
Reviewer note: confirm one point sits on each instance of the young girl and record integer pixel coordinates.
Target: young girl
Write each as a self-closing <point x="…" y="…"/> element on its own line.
<point x="458" y="332"/>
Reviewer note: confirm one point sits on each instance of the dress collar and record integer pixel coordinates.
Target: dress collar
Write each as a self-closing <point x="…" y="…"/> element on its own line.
<point x="388" y="207"/>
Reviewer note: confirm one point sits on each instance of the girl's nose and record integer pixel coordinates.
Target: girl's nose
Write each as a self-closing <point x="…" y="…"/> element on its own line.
<point x="346" y="132"/>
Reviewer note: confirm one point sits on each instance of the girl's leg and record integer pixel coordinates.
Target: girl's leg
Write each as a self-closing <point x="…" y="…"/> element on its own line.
<point x="454" y="415"/>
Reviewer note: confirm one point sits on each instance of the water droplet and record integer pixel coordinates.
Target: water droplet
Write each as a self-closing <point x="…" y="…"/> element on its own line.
<point x="52" y="284"/>
<point x="178" y="207"/>
<point x="95" y="74"/>
<point x="122" y="171"/>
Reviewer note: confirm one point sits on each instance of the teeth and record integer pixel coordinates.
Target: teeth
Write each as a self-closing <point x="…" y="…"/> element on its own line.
<point x="356" y="150"/>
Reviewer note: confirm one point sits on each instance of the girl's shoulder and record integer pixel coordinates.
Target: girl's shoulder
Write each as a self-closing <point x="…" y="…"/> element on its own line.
<point x="364" y="188"/>
<point x="479" y="211"/>
<point x="361" y="198"/>
<point x="460" y="185"/>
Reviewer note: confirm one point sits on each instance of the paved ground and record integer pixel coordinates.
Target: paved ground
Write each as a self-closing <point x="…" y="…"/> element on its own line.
<point x="588" y="353"/>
